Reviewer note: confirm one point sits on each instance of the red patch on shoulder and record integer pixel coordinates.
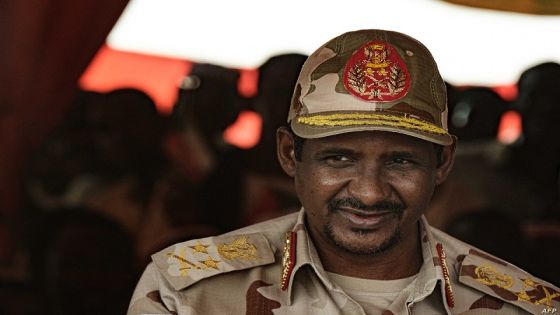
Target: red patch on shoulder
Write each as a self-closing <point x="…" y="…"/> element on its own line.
<point x="376" y="73"/>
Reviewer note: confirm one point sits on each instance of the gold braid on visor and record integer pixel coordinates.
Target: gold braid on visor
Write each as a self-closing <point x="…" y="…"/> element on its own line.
<point x="355" y="119"/>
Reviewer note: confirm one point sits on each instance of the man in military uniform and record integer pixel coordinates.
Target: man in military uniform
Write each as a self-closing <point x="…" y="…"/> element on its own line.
<point x="367" y="144"/>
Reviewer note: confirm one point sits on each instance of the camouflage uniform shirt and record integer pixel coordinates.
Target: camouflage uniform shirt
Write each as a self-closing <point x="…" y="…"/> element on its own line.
<point x="273" y="268"/>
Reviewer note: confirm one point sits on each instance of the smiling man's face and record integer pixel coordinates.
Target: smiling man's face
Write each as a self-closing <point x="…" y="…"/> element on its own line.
<point x="364" y="192"/>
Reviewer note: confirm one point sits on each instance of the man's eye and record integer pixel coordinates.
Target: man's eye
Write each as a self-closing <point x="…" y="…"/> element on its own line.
<point x="400" y="161"/>
<point x="338" y="160"/>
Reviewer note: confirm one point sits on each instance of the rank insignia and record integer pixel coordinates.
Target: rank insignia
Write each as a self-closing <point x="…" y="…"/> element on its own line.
<point x="288" y="258"/>
<point x="188" y="262"/>
<point x="447" y="282"/>
<point x="509" y="283"/>
<point x="488" y="275"/>
<point x="239" y="248"/>
<point x="376" y="73"/>
<point x="200" y="248"/>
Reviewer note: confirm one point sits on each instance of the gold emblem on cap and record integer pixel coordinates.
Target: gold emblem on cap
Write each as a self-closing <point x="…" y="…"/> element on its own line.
<point x="377" y="55"/>
<point x="376" y="73"/>
<point x="239" y="248"/>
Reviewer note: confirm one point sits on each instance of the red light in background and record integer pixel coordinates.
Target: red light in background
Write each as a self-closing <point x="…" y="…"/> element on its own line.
<point x="158" y="77"/>
<point x="507" y="92"/>
<point x="510" y="128"/>
<point x="245" y="132"/>
<point x="247" y="85"/>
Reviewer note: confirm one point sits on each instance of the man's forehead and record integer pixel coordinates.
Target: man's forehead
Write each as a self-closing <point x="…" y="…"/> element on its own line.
<point x="369" y="139"/>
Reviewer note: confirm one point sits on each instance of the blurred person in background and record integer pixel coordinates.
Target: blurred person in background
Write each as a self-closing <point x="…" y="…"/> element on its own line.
<point x="476" y="114"/>
<point x="535" y="158"/>
<point x="201" y="191"/>
<point x="106" y="154"/>
<point x="81" y="262"/>
<point x="537" y="155"/>
<point x="270" y="192"/>
<point x="478" y="180"/>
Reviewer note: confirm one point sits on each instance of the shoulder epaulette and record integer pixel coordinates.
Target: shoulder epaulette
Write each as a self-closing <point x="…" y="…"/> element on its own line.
<point x="189" y="262"/>
<point x="509" y="283"/>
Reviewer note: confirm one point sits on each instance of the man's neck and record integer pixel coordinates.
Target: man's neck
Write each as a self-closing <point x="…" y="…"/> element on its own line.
<point x="401" y="261"/>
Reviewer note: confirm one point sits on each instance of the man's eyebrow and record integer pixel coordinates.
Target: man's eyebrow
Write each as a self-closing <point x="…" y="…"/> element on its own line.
<point x="407" y="155"/>
<point x="334" y="151"/>
<point x="401" y="154"/>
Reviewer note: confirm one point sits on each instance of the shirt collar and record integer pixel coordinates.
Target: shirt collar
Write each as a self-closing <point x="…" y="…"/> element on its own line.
<point x="300" y="252"/>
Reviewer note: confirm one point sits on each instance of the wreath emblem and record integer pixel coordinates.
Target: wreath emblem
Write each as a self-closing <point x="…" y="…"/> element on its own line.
<point x="376" y="73"/>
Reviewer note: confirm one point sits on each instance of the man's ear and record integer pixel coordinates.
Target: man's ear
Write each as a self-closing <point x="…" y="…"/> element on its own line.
<point x="446" y="163"/>
<point x="285" y="150"/>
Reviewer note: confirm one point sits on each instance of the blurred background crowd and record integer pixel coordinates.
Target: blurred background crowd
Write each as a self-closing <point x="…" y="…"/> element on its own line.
<point x="115" y="180"/>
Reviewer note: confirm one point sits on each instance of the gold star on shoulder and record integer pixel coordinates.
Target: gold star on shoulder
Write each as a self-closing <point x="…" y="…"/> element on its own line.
<point x="211" y="263"/>
<point x="200" y="248"/>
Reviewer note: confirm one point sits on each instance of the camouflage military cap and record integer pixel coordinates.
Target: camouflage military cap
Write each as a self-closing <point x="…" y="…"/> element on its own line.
<point x="371" y="80"/>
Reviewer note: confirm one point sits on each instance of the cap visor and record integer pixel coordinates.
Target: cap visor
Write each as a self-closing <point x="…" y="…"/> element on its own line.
<point x="313" y="131"/>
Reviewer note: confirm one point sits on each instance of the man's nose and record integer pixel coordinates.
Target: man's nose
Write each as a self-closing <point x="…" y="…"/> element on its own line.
<point x="370" y="186"/>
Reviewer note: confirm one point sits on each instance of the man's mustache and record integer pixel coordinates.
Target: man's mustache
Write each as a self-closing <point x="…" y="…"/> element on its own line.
<point x="354" y="203"/>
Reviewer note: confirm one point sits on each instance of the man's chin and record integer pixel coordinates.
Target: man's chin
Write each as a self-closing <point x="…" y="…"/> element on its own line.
<point x="363" y="242"/>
